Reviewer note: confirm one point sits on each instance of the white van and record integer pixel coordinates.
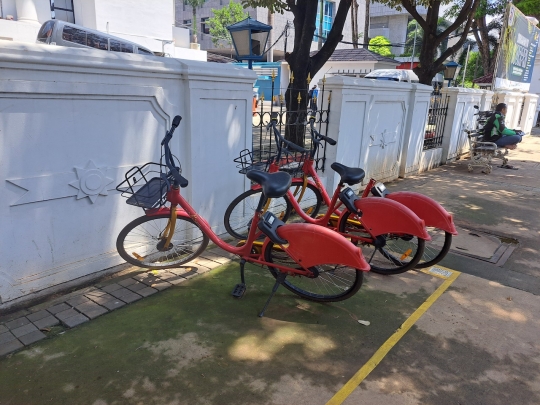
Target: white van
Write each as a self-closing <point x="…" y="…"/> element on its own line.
<point x="396" y="75"/>
<point x="57" y="32"/>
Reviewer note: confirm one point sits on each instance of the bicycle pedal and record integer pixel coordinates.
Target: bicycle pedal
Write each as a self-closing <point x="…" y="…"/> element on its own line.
<point x="239" y="290"/>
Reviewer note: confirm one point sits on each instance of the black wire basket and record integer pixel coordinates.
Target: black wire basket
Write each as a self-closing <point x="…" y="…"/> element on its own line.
<point x="292" y="162"/>
<point x="146" y="186"/>
<point x="249" y="161"/>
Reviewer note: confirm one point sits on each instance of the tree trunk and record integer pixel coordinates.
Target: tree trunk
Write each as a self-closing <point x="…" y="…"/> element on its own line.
<point x="194" y="26"/>
<point x="354" y="23"/>
<point x="482" y="40"/>
<point x="366" y="25"/>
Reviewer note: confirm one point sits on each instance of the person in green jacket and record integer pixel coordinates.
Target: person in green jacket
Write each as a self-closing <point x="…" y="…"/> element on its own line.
<point x="495" y="130"/>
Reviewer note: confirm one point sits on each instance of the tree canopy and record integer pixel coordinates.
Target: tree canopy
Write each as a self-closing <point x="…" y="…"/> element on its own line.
<point x="228" y="15"/>
<point x="380" y="45"/>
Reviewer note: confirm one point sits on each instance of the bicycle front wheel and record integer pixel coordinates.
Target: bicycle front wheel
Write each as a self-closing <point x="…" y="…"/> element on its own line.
<point x="140" y="242"/>
<point x="398" y="253"/>
<point x="240" y="212"/>
<point x="436" y="249"/>
<point x="330" y="282"/>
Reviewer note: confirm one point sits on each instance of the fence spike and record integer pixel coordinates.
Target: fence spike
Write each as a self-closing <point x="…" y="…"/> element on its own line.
<point x="262" y="97"/>
<point x="292" y="77"/>
<point x="273" y="74"/>
<point x="329" y="97"/>
<point x="308" y="78"/>
<point x="299" y="98"/>
<point x="324" y="80"/>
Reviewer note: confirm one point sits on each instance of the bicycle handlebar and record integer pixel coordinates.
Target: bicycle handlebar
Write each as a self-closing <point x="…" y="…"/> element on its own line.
<point x="319" y="136"/>
<point x="178" y="179"/>
<point x="279" y="138"/>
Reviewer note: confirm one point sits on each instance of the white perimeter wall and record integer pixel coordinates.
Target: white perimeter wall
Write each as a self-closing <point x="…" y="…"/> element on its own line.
<point x="70" y="114"/>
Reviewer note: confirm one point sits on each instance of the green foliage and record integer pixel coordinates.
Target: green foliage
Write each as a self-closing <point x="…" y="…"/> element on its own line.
<point x="275" y="6"/>
<point x="413" y="28"/>
<point x="471" y="66"/>
<point x="380" y="45"/>
<point x="529" y="8"/>
<point x="228" y="15"/>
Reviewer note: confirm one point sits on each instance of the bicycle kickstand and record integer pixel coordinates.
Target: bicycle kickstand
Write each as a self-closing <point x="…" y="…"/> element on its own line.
<point x="240" y="288"/>
<point x="279" y="279"/>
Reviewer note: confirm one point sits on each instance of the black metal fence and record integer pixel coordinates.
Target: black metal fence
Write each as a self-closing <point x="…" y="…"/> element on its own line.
<point x="290" y="120"/>
<point x="438" y="109"/>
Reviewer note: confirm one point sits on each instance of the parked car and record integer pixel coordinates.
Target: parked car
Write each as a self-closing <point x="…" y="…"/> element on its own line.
<point x="57" y="32"/>
<point x="396" y="75"/>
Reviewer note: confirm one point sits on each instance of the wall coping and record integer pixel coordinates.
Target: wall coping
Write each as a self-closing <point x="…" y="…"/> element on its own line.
<point x="358" y="82"/>
<point x="58" y="58"/>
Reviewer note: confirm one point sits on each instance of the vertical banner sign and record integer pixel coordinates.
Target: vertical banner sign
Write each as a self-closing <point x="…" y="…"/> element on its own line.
<point x="517" y="51"/>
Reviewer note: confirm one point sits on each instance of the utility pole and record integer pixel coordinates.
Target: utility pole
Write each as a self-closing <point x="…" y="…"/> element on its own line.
<point x="414" y="43"/>
<point x="270" y="53"/>
<point x="286" y="37"/>
<point x="465" y="69"/>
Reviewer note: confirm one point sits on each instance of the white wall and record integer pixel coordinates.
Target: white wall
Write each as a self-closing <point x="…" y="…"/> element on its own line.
<point x="460" y="116"/>
<point x="379" y="126"/>
<point x="66" y="111"/>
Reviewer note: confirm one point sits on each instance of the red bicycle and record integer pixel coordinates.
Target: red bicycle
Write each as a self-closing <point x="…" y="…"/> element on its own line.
<point x="310" y="261"/>
<point x="394" y="236"/>
<point x="390" y="231"/>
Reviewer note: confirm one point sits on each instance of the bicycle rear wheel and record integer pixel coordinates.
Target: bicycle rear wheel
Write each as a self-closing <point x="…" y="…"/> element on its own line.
<point x="398" y="253"/>
<point x="436" y="249"/>
<point x="330" y="282"/>
<point x="239" y="213"/>
<point x="140" y="242"/>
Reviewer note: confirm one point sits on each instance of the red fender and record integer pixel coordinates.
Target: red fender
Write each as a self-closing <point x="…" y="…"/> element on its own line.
<point x="426" y="208"/>
<point x="381" y="216"/>
<point x="311" y="245"/>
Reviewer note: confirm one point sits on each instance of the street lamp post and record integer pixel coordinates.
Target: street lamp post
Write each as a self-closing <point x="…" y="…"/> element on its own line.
<point x="451" y="70"/>
<point x="250" y="38"/>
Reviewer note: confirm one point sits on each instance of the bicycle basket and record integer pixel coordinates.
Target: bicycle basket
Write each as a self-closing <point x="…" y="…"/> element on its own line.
<point x="146" y="186"/>
<point x="292" y="162"/>
<point x="249" y="161"/>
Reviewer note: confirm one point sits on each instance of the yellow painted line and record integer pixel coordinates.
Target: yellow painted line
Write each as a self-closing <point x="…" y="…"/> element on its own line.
<point x="374" y="361"/>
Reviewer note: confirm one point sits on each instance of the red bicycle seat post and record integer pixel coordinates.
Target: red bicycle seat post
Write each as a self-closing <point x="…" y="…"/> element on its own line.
<point x="369" y="187"/>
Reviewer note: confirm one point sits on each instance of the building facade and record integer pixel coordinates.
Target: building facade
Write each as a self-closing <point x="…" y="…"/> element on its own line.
<point x="150" y="24"/>
<point x="184" y="16"/>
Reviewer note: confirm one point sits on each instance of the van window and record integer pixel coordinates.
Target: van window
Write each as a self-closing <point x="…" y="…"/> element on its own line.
<point x="74" y="35"/>
<point x="45" y="32"/>
<point x="118" y="46"/>
<point x="97" y="41"/>
<point x="145" y="51"/>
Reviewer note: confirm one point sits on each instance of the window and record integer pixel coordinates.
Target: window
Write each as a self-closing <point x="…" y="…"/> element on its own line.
<point x="45" y="32"/>
<point x="74" y="35"/>
<point x="63" y="10"/>
<point x="205" y="28"/>
<point x="97" y="41"/>
<point x="144" y="51"/>
<point x="187" y="22"/>
<point x="118" y="46"/>
<point x="328" y="17"/>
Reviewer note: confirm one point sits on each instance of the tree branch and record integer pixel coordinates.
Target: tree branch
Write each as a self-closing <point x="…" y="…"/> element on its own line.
<point x="466" y="11"/>
<point x="412" y="11"/>
<point x="449" y="51"/>
<point x="334" y="36"/>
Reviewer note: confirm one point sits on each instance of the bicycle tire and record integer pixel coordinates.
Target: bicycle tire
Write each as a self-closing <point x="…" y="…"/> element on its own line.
<point x="345" y="284"/>
<point x="246" y="203"/>
<point x="142" y="235"/>
<point x="386" y="261"/>
<point x="432" y="255"/>
<point x="311" y="200"/>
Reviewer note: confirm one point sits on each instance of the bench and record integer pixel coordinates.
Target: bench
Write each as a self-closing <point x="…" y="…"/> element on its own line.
<point x="482" y="153"/>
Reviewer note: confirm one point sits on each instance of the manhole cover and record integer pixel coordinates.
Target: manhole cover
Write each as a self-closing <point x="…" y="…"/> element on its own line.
<point x="483" y="246"/>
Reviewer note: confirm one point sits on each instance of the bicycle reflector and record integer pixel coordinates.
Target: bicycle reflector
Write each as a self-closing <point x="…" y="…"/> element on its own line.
<point x="348" y="197"/>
